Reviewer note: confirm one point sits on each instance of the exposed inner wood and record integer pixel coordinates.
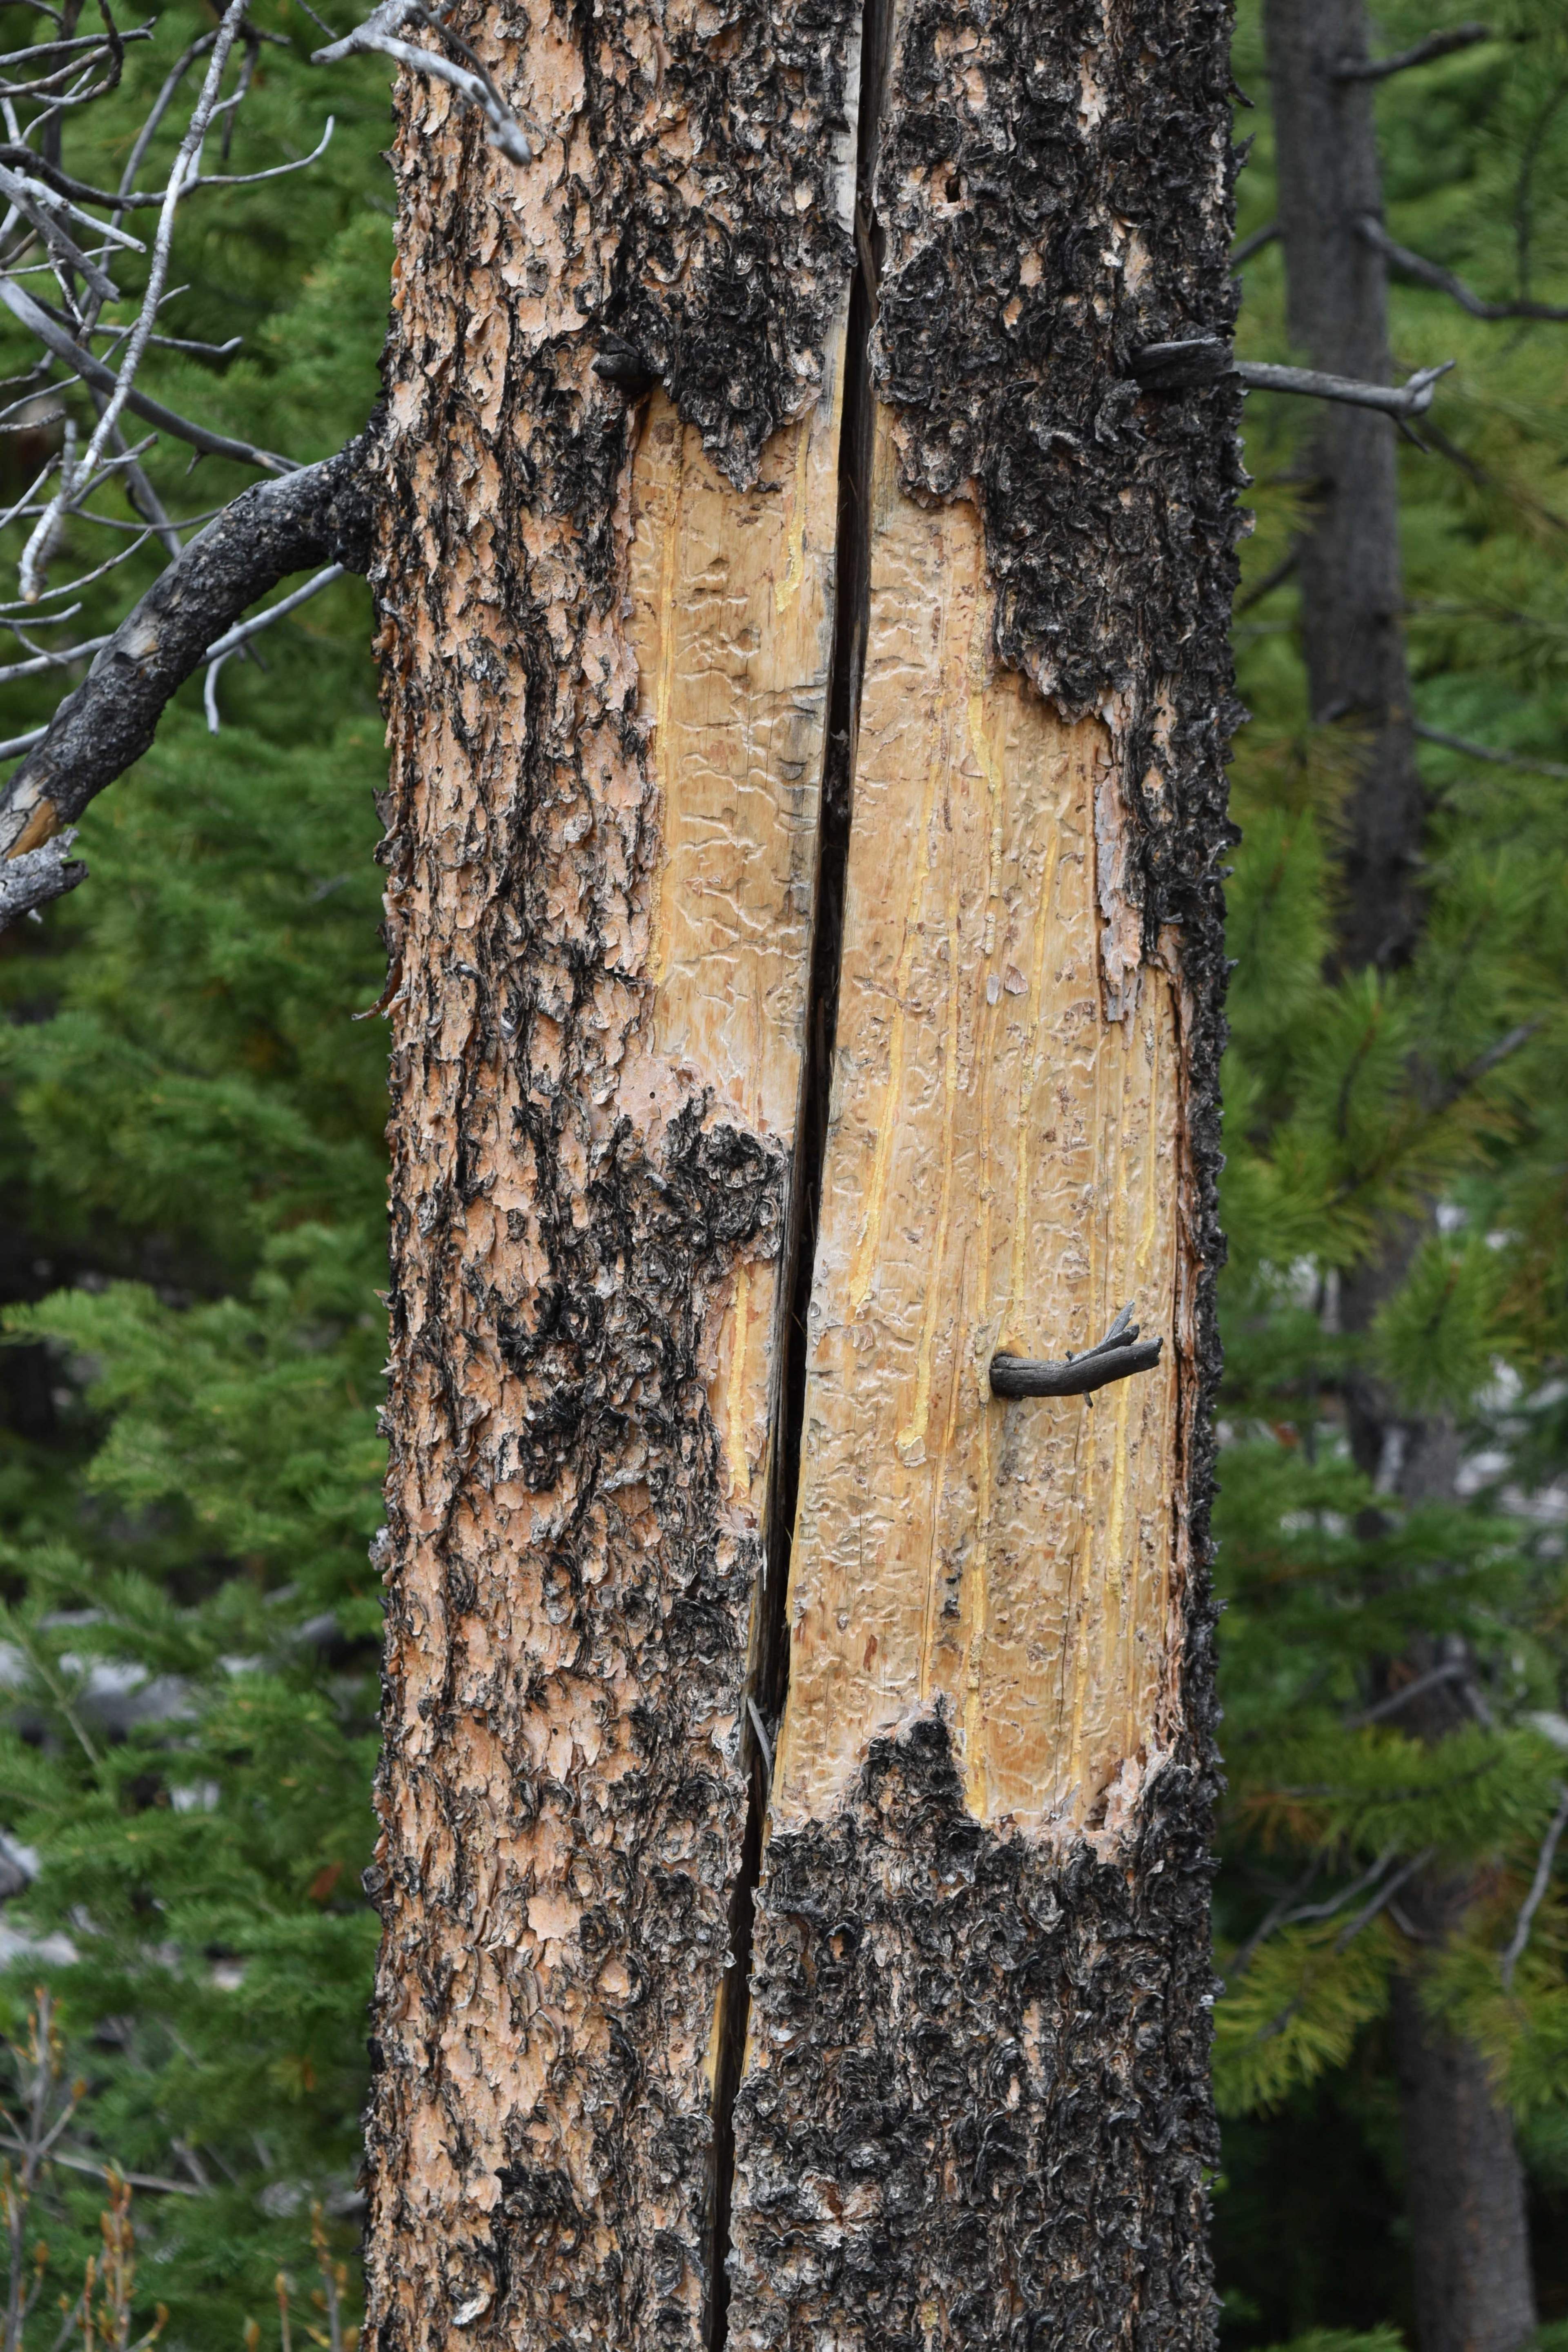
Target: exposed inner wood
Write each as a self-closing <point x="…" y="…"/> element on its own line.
<point x="731" y="626"/>
<point x="1002" y="1171"/>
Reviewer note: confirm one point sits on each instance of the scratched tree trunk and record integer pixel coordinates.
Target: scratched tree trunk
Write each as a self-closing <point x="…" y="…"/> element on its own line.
<point x="803" y="841"/>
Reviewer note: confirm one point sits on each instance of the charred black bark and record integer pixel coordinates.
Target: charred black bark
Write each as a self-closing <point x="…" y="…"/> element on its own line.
<point x="985" y="2119"/>
<point x="1038" y="236"/>
<point x="559" y="1924"/>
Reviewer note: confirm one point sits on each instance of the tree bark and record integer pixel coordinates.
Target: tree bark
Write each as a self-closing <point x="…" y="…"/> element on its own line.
<point x="1470" y="2241"/>
<point x="1351" y="587"/>
<point x="628" y="611"/>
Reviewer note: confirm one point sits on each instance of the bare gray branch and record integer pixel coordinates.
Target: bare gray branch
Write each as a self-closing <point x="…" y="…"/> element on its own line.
<point x="1421" y="53"/>
<point x="1444" y="281"/>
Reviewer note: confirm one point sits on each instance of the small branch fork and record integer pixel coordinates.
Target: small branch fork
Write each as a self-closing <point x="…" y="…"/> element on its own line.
<point x="1115" y="1358"/>
<point x="379" y="34"/>
<point x="1444" y="281"/>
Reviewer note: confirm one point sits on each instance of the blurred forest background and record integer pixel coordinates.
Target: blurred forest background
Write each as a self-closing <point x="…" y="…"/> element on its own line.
<point x="192" y="1195"/>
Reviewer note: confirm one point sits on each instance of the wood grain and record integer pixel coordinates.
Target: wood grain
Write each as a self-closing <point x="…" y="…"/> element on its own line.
<point x="1001" y="1171"/>
<point x="731" y="626"/>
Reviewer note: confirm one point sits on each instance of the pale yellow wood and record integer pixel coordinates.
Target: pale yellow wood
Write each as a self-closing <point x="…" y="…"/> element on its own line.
<point x="1002" y="1171"/>
<point x="733" y="627"/>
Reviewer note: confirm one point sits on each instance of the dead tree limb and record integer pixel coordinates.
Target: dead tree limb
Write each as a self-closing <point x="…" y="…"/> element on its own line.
<point x="1444" y="281"/>
<point x="1205" y="359"/>
<point x="1421" y="53"/>
<point x="1487" y="751"/>
<point x="318" y="514"/>
<point x="64" y="346"/>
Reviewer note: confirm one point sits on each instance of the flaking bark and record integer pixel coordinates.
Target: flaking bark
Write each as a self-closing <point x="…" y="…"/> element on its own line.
<point x="570" y="1591"/>
<point x="562" y="1789"/>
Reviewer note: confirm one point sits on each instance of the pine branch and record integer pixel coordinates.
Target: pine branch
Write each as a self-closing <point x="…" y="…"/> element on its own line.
<point x="1538" y="1886"/>
<point x="318" y="514"/>
<point x="1422" y="53"/>
<point x="1444" y="281"/>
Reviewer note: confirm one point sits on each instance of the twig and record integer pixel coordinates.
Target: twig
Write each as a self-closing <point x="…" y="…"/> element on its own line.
<point x="1205" y="359"/>
<point x="216" y="654"/>
<point x="1401" y="1698"/>
<point x="1273" y="1919"/>
<point x="1487" y="480"/>
<point x="472" y="82"/>
<point x="92" y="2164"/>
<point x="1385" y="1894"/>
<point x="187" y="159"/>
<point x="1423" y="53"/>
<point x="1115" y="1358"/>
<point x="1412" y="398"/>
<point x="1271" y="580"/>
<point x="1485" y="751"/>
<point x="1254" y="244"/>
<point x="64" y="346"/>
<point x="1538" y="1886"/>
<point x="1444" y="281"/>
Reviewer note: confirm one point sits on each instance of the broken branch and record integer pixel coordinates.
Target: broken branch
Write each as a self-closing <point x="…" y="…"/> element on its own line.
<point x="1205" y="359"/>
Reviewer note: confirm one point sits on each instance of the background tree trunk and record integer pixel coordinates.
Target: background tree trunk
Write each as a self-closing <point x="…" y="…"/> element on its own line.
<point x="970" y="2039"/>
<point x="1352" y="589"/>
<point x="1466" y="2190"/>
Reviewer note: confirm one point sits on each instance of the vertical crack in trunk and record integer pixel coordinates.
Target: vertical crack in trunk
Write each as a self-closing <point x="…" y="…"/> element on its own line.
<point x="768" y="1682"/>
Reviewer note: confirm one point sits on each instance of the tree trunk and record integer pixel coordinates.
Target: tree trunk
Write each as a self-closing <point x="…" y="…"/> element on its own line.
<point x="952" y="2091"/>
<point x="1466" y="2190"/>
<point x="1352" y="590"/>
<point x="1470" y="2241"/>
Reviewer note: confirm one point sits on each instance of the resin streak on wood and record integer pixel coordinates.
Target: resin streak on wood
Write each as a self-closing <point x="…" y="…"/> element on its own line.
<point x="1002" y="1171"/>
